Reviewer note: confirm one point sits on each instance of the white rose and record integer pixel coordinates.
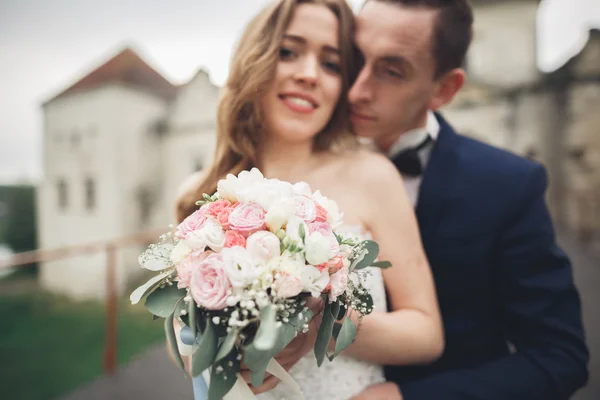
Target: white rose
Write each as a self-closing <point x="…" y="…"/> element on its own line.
<point x="230" y="187"/>
<point x="317" y="249"/>
<point x="305" y="208"/>
<point x="239" y="266"/>
<point x="302" y="189"/>
<point x="213" y="234"/>
<point x="179" y="252"/>
<point x="262" y="246"/>
<point x="288" y="264"/>
<point x="292" y="230"/>
<point x="279" y="214"/>
<point x="196" y="240"/>
<point x="314" y="281"/>
<point x="334" y="216"/>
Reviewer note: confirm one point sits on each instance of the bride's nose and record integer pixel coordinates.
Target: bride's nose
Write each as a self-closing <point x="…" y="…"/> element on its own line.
<point x="308" y="71"/>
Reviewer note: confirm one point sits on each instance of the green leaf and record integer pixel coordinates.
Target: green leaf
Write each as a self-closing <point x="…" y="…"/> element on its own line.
<point x="300" y="318"/>
<point x="335" y="309"/>
<point x="371" y="251"/>
<point x="324" y="335"/>
<point x="302" y="232"/>
<point x="223" y="376"/>
<point x="162" y="302"/>
<point x="172" y="340"/>
<point x="342" y="312"/>
<point x="266" y="335"/>
<point x="192" y="310"/>
<point x="154" y="317"/>
<point x="148" y="287"/>
<point x="228" y="344"/>
<point x="346" y="336"/>
<point x="207" y="350"/>
<point x="381" y="264"/>
<point x="367" y="300"/>
<point x="336" y="330"/>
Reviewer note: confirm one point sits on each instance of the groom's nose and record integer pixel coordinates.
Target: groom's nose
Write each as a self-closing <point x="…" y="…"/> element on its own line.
<point x="361" y="91"/>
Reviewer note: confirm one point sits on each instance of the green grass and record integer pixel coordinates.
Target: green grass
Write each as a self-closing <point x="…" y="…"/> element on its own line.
<point x="50" y="345"/>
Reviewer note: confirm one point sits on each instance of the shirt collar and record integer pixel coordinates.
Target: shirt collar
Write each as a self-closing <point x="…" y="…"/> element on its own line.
<point x="414" y="137"/>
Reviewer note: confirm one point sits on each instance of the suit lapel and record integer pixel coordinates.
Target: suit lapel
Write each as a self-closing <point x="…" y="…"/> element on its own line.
<point x="438" y="178"/>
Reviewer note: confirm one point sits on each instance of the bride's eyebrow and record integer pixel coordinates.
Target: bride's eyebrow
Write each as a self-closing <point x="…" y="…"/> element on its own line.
<point x="302" y="41"/>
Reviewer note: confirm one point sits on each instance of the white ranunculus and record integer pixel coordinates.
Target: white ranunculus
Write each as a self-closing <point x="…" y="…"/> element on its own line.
<point x="314" y="281"/>
<point x="334" y="216"/>
<point x="287" y="264"/>
<point x="230" y="187"/>
<point x="262" y="246"/>
<point x="292" y="230"/>
<point x="317" y="249"/>
<point x="179" y="252"/>
<point x="279" y="213"/>
<point x="239" y="266"/>
<point x="196" y="240"/>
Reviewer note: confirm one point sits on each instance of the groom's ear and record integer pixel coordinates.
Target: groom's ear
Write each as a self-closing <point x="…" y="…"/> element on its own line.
<point x="446" y="88"/>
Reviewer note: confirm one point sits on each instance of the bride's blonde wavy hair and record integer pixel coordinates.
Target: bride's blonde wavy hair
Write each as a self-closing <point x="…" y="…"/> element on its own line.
<point x="252" y="70"/>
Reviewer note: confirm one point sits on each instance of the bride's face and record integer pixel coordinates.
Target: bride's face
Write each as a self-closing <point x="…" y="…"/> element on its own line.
<point x="307" y="83"/>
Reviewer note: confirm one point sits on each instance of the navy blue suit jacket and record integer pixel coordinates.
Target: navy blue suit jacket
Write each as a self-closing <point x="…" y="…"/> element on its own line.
<point x="499" y="276"/>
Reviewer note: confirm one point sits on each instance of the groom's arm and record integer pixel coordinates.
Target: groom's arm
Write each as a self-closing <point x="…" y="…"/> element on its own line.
<point x="541" y="313"/>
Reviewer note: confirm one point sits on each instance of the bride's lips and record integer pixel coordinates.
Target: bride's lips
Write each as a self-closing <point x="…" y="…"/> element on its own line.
<point x="299" y="102"/>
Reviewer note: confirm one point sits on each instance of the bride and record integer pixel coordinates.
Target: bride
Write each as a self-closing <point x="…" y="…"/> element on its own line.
<point x="284" y="110"/>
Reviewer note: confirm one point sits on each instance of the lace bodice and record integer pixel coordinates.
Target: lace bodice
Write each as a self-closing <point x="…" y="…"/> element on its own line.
<point x="344" y="377"/>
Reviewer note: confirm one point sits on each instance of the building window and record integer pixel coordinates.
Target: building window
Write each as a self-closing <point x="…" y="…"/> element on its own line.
<point x="90" y="194"/>
<point x="63" y="195"/>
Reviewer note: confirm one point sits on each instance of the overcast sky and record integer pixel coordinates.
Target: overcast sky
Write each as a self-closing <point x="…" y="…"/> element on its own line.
<point x="46" y="45"/>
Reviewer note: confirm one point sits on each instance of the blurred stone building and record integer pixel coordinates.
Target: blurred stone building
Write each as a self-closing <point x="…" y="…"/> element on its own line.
<point x="553" y="118"/>
<point x="119" y="141"/>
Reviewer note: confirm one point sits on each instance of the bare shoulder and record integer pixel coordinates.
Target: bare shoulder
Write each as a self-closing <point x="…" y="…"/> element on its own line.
<point x="371" y="169"/>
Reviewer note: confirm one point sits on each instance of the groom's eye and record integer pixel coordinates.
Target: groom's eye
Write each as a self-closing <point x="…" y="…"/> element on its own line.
<point x="286" y="53"/>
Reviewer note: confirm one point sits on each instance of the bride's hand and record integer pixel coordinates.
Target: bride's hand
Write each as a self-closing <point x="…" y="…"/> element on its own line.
<point x="380" y="391"/>
<point x="298" y="348"/>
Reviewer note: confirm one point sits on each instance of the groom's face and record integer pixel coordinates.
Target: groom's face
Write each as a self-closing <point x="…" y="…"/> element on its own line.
<point x="396" y="83"/>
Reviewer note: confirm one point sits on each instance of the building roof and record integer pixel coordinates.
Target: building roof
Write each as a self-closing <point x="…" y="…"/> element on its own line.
<point x="126" y="68"/>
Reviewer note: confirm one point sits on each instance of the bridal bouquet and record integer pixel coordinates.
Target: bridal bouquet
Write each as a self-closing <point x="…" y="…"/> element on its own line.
<point x="238" y="272"/>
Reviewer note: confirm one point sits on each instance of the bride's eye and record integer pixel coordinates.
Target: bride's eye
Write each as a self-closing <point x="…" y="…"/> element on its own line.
<point x="332" y="66"/>
<point x="286" y="53"/>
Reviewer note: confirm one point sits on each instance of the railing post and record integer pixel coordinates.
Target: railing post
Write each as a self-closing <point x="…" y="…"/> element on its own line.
<point x="110" y="351"/>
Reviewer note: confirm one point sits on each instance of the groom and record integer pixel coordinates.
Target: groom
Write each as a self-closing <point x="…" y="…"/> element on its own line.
<point x="511" y="313"/>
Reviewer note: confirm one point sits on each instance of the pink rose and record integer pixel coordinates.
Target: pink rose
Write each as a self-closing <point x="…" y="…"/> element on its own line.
<point x="289" y="286"/>
<point x="325" y="229"/>
<point x="187" y="266"/>
<point x="321" y="213"/>
<point x="223" y="217"/>
<point x="263" y="246"/>
<point x="216" y="207"/>
<point x="305" y="208"/>
<point x="210" y="283"/>
<point x="191" y="223"/>
<point x="233" y="238"/>
<point x="333" y="265"/>
<point x="247" y="219"/>
<point x="338" y="283"/>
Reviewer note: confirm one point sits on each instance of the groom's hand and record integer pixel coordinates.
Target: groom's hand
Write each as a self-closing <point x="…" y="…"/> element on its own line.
<point x="298" y="348"/>
<point x="380" y="391"/>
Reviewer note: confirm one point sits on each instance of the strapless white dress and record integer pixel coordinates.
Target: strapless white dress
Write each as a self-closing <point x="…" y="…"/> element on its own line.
<point x="344" y="377"/>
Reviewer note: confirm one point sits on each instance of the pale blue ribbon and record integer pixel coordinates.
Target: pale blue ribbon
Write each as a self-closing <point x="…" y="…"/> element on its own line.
<point x="199" y="384"/>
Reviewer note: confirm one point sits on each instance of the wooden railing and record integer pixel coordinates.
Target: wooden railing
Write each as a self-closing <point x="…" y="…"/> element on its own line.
<point x="110" y="247"/>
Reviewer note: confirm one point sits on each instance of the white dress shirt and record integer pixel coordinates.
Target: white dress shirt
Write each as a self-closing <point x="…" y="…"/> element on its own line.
<point x="413" y="138"/>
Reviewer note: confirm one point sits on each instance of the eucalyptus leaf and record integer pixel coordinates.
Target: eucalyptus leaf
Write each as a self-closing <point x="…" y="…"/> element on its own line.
<point x="207" y="350"/>
<point x="300" y="318"/>
<point x="192" y="314"/>
<point x="342" y="312"/>
<point x="223" y="376"/>
<point x="335" y="309"/>
<point x="228" y="344"/>
<point x="324" y="335"/>
<point x="346" y="336"/>
<point x="162" y="301"/>
<point x="139" y="293"/>
<point x="336" y="330"/>
<point x="266" y="335"/>
<point x="172" y="340"/>
<point x="370" y="251"/>
<point x="381" y="264"/>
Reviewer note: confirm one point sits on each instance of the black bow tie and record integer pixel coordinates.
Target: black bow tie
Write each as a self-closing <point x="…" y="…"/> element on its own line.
<point x="408" y="161"/>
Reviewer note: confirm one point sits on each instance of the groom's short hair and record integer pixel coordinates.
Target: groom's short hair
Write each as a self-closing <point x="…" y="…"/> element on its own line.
<point x="452" y="33"/>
